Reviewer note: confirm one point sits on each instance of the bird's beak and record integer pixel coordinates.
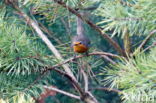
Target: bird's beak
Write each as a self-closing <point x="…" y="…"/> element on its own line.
<point x="76" y="43"/>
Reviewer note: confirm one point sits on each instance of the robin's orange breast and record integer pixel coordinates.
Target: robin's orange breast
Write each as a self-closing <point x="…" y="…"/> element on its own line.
<point x="80" y="48"/>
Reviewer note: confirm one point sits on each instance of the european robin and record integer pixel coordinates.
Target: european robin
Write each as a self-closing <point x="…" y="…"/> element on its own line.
<point x="80" y="44"/>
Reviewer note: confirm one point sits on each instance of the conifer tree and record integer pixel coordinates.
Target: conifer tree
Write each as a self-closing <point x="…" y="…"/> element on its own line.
<point x="36" y="60"/>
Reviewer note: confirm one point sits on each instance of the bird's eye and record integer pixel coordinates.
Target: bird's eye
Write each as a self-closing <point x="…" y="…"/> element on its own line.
<point x="80" y="42"/>
<point x="77" y="43"/>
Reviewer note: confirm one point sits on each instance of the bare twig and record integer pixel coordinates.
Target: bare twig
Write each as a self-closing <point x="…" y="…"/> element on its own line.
<point x="63" y="92"/>
<point x="145" y="41"/>
<point x="128" y="19"/>
<point x="149" y="47"/>
<point x="107" y="89"/>
<point x="44" y="94"/>
<point x="66" y="25"/>
<point x="108" y="59"/>
<point x="90" y="8"/>
<point x="98" y="29"/>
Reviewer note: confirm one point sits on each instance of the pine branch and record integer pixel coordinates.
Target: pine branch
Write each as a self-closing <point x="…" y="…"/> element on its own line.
<point x="81" y="56"/>
<point x="70" y="60"/>
<point x="35" y="26"/>
<point x="92" y="25"/>
<point x="65" y="74"/>
<point x="87" y="97"/>
<point x="51" y="34"/>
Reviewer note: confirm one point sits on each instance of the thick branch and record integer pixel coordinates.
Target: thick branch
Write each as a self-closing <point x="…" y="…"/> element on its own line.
<point x="92" y="25"/>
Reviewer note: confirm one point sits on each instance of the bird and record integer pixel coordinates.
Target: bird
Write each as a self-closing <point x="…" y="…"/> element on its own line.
<point x="80" y="44"/>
